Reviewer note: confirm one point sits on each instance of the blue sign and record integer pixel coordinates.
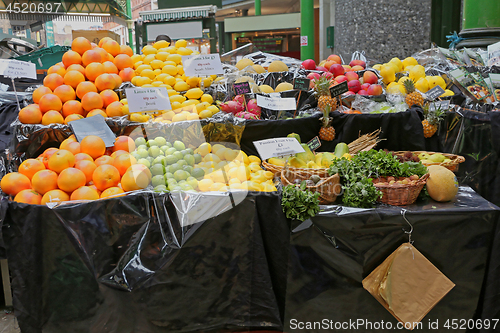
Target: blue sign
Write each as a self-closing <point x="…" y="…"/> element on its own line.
<point x="49" y="31"/>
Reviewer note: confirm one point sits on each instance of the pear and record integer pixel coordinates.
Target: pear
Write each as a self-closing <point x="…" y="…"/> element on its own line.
<point x="437" y="158"/>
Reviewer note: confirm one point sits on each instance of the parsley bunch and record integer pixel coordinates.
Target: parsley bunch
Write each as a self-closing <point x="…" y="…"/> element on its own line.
<point x="299" y="203"/>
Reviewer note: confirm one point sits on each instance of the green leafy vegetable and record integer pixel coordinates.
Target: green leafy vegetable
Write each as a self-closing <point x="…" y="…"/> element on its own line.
<point x="299" y="203"/>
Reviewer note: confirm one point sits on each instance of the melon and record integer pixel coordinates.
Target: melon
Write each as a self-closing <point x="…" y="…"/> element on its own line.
<point x="259" y="69"/>
<point x="283" y="86"/>
<point x="442" y="184"/>
<point x="245" y="79"/>
<point x="244" y="63"/>
<point x="266" y="89"/>
<point x="277" y="66"/>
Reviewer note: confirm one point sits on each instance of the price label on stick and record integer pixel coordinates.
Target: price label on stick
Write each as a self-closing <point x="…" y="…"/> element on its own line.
<point x="17" y="69"/>
<point x="301" y="83"/>
<point x="147" y="99"/>
<point x="276" y="103"/>
<point x="95" y="125"/>
<point x="339" y="89"/>
<point x="434" y="93"/>
<point x="202" y="64"/>
<point x="242" y="88"/>
<point x="277" y="147"/>
<point x="314" y="144"/>
<point x="443" y="105"/>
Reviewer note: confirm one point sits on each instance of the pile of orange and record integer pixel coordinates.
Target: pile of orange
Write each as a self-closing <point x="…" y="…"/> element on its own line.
<point x="83" y="170"/>
<point x="82" y="84"/>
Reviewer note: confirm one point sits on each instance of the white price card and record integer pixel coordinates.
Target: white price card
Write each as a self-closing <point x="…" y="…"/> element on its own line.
<point x="277" y="147"/>
<point x="15" y="69"/>
<point x="147" y="99"/>
<point x="202" y="64"/>
<point x="275" y="103"/>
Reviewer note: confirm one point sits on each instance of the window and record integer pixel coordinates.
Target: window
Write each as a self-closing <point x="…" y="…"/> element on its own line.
<point x="19" y="30"/>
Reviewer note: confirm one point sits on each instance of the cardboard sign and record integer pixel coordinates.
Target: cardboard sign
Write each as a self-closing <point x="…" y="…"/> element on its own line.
<point x="147" y="99"/>
<point x="339" y="89"/>
<point x="15" y="69"/>
<point x="314" y="144"/>
<point x="276" y="103"/>
<point x="434" y="93"/>
<point x="277" y="147"/>
<point x="202" y="64"/>
<point x="242" y="88"/>
<point x="95" y="125"/>
<point x="301" y="83"/>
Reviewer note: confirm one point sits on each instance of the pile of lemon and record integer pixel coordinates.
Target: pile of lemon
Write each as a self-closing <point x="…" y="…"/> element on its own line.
<point x="231" y="169"/>
<point x="416" y="73"/>
<point x="160" y="65"/>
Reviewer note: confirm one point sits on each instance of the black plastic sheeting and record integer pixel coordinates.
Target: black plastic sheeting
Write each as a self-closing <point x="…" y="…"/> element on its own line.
<point x="130" y="265"/>
<point x="333" y="252"/>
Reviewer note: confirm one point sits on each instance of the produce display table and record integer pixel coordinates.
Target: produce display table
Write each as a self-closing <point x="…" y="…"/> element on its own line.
<point x="127" y="264"/>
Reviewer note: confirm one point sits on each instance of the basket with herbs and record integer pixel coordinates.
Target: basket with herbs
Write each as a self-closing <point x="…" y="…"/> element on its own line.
<point x="328" y="187"/>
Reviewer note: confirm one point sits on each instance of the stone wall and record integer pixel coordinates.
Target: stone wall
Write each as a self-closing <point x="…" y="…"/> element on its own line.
<point x="382" y="28"/>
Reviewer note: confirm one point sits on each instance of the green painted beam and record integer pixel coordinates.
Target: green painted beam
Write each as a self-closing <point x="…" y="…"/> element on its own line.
<point x="307" y="29"/>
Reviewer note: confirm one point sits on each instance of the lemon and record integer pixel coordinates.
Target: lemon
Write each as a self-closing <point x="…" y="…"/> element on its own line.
<point x="422" y="84"/>
<point x="216" y="186"/>
<point x="200" y="107"/>
<point x="168" y="115"/>
<point x="170" y="49"/>
<point x="124" y="101"/>
<point x="218" y="176"/>
<point x="190" y="102"/>
<point x="157" y="71"/>
<point x="377" y="67"/>
<point x="396" y="88"/>
<point x="393" y="65"/>
<point x="149" y="85"/>
<point x="148" y="73"/>
<point x="141" y="80"/>
<point x="156" y="64"/>
<point x="134" y="80"/>
<point x="179" y="117"/>
<point x="148" y="59"/>
<point x="213" y="108"/>
<point x="269" y="188"/>
<point x="206" y="82"/>
<point x="242" y="173"/>
<point x="403" y="79"/>
<point x="192" y="116"/>
<point x="170" y="80"/>
<point x="253" y="158"/>
<point x="136" y="57"/>
<point x="170" y="70"/>
<point x="193" y="81"/>
<point x="172" y="92"/>
<point x="243" y="157"/>
<point x="398" y="63"/>
<point x="436" y="81"/>
<point x="140" y="68"/>
<point x="235" y="186"/>
<point x="194" y="93"/>
<point x="181" y="43"/>
<point x="254" y="167"/>
<point x="181" y="86"/>
<point x="204" y="149"/>
<point x="177" y="98"/>
<point x="156" y="83"/>
<point x="205" y="114"/>
<point x="205" y="184"/>
<point x="125" y="109"/>
<point x="210" y="157"/>
<point x="417" y="72"/>
<point x="230" y="154"/>
<point x="253" y="186"/>
<point x="258" y="178"/>
<point x="184" y="51"/>
<point x="169" y="62"/>
<point x="388" y="74"/>
<point x="148" y="49"/>
<point x="180" y="69"/>
<point x="410" y="61"/>
<point x="447" y="92"/>
<point x="175" y="58"/>
<point x="138" y="117"/>
<point x="161" y="77"/>
<point x="207" y="98"/>
<point x="269" y="175"/>
<point x="409" y="67"/>
<point x="137" y="64"/>
<point x="161" y="44"/>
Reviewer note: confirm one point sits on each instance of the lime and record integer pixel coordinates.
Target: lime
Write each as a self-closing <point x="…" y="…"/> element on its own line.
<point x="175" y="189"/>
<point x="190" y="151"/>
<point x="157" y="169"/>
<point x="142" y="147"/>
<point x="161" y="188"/>
<point x="160" y="140"/>
<point x="189" y="159"/>
<point x="152" y="143"/>
<point x="173" y="168"/>
<point x="155" y="151"/>
<point x="140" y="141"/>
<point x="170" y="151"/>
<point x="198" y="173"/>
<point x="197" y="158"/>
<point x="159" y="160"/>
<point x="182" y="162"/>
<point x="136" y="155"/>
<point x="150" y="160"/>
<point x="158" y="180"/>
<point x="184" y="152"/>
<point x="178" y="155"/>
<point x="180" y="175"/>
<point x="171" y="182"/>
<point x="164" y="148"/>
<point x="170" y="159"/>
<point x="169" y="175"/>
<point x="188" y="168"/>
<point x="186" y="187"/>
<point x="179" y="145"/>
<point x="192" y="181"/>
<point x="143" y="153"/>
<point x="144" y="162"/>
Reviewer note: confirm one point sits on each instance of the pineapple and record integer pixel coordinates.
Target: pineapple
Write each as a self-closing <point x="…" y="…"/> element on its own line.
<point x="327" y="132"/>
<point x="431" y="121"/>
<point x="325" y="101"/>
<point x="412" y="97"/>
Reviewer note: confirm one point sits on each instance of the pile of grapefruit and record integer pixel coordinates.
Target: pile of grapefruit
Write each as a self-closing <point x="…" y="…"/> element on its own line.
<point x="82" y="84"/>
<point x="83" y="170"/>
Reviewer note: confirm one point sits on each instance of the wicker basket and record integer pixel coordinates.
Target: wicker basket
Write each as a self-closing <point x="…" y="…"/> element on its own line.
<point x="400" y="195"/>
<point x="276" y="169"/>
<point x="328" y="187"/>
<point x="452" y="165"/>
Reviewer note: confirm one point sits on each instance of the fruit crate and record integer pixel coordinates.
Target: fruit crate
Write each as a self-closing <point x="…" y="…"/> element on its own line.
<point x="46" y="57"/>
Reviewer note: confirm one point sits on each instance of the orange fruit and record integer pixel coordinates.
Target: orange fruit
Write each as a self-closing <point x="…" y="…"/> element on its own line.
<point x="84" y="88"/>
<point x="71" y="58"/>
<point x="73" y="147"/>
<point x="44" y="181"/>
<point x="87" y="167"/>
<point x="95" y="112"/>
<point x="123" y="61"/>
<point x="105" y="81"/>
<point x="73" y="78"/>
<point x="104" y="159"/>
<point x="54" y="196"/>
<point x="50" y="102"/>
<point x="118" y="80"/>
<point x="80" y="45"/>
<point x="114" y="109"/>
<point x="133" y="180"/>
<point x="30" y="166"/>
<point x="53" y="81"/>
<point x="123" y="162"/>
<point x="105" y="176"/>
<point x="28" y="197"/>
<point x="110" y="67"/>
<point x="95" y="188"/>
<point x="108" y="97"/>
<point x="39" y="92"/>
<point x="76" y="67"/>
<point x="72" y="107"/>
<point x="47" y="154"/>
<point x="118" y="153"/>
<point x="103" y="53"/>
<point x="112" y="192"/>
<point x="127" y="74"/>
<point x="84" y="193"/>
<point x="30" y="114"/>
<point x="125" y="143"/>
<point x="70" y="179"/>
<point x="91" y="56"/>
<point x="93" y="70"/>
<point x="52" y="117"/>
<point x="14" y="182"/>
<point x="83" y="157"/>
<point x="93" y="145"/>
<point x="72" y="117"/>
<point x="104" y="39"/>
<point x="65" y="93"/>
<point x="66" y="142"/>
<point x="61" y="160"/>
<point x="141" y="168"/>
<point x="92" y="100"/>
<point x="112" y="47"/>
<point x="57" y="69"/>
<point x="125" y="49"/>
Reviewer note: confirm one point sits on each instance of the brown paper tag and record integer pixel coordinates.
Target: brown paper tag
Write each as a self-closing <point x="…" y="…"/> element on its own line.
<point x="407" y="285"/>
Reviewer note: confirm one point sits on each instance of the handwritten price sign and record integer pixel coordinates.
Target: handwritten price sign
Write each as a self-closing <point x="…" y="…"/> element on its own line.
<point x="148" y="99"/>
<point x="15" y="69"/>
<point x="277" y="147"/>
<point x="202" y="64"/>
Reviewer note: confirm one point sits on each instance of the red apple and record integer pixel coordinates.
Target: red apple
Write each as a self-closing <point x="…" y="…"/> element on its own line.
<point x="321" y="68"/>
<point x="313" y="76"/>
<point x="328" y="75"/>
<point x="351" y="76"/>
<point x="309" y="64"/>
<point x="354" y="86"/>
<point x="357" y="62"/>
<point x="362" y="92"/>
<point x="337" y="70"/>
<point x="340" y="78"/>
<point x="365" y="86"/>
<point x="347" y="68"/>
<point x="370" y="77"/>
<point x="375" y="90"/>
<point x="357" y="68"/>
<point x="335" y="58"/>
<point x="348" y="94"/>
